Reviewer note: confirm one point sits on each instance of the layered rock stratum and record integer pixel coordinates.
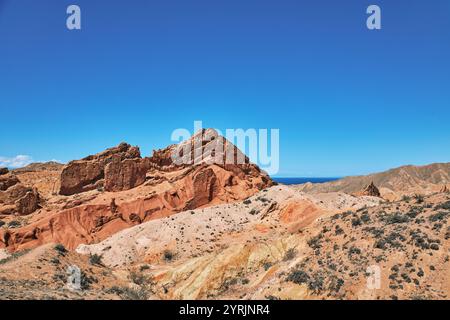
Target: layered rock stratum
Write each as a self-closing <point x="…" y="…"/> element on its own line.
<point x="115" y="189"/>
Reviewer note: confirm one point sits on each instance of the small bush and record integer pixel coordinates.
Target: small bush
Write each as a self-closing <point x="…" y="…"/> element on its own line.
<point x="290" y="254"/>
<point x="406" y="198"/>
<point x="434" y="246"/>
<point x="338" y="230"/>
<point x="365" y="218"/>
<point x="438" y="216"/>
<point x="354" y="250"/>
<point x="95" y="259"/>
<point x="314" y="242"/>
<point x="60" y="249"/>
<point x="168" y="255"/>
<point x="138" y="278"/>
<point x="395" y="218"/>
<point x="419" y="198"/>
<point x="131" y="293"/>
<point x="356" y="222"/>
<point x="144" y="267"/>
<point x="86" y="281"/>
<point x="267" y="265"/>
<point x="298" y="277"/>
<point x="14" y="224"/>
<point x="445" y="206"/>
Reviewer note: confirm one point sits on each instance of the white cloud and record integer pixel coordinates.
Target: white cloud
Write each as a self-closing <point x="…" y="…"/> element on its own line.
<point x="16" y="162"/>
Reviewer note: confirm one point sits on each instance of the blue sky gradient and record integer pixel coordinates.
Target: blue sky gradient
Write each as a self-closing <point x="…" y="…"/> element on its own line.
<point x="346" y="100"/>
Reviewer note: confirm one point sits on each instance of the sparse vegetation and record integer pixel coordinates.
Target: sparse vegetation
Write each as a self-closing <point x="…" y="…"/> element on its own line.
<point x="298" y="277"/>
<point x="96" y="259"/>
<point x="314" y="242"/>
<point x="356" y="222"/>
<point x="131" y="293"/>
<point x="419" y="198"/>
<point x="14" y="256"/>
<point x="438" y="216"/>
<point x="144" y="267"/>
<point x="444" y="206"/>
<point x="396" y="217"/>
<point x="290" y="254"/>
<point x="267" y="265"/>
<point x="406" y="198"/>
<point x="168" y="255"/>
<point x="60" y="249"/>
<point x="14" y="224"/>
<point x="139" y="278"/>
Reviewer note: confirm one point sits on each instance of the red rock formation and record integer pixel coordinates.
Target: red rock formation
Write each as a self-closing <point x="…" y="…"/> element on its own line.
<point x="177" y="188"/>
<point x="16" y="197"/>
<point x="7" y="180"/>
<point x="125" y="174"/>
<point x="88" y="173"/>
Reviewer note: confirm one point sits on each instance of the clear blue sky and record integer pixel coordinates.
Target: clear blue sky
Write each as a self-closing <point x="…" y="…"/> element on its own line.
<point x="346" y="100"/>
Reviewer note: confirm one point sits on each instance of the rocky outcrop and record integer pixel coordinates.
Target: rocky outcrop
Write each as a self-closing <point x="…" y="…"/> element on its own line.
<point x="89" y="173"/>
<point x="371" y="190"/>
<point x="171" y="188"/>
<point x="125" y="174"/>
<point x="206" y="146"/>
<point x="28" y="203"/>
<point x="7" y="180"/>
<point x="198" y="187"/>
<point x="15" y="197"/>
<point x="3" y="171"/>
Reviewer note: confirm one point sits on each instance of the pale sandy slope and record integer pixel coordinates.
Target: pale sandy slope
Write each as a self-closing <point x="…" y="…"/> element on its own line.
<point x="195" y="232"/>
<point x="209" y="246"/>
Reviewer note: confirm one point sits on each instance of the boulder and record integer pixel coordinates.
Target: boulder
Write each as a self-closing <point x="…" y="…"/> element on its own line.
<point x="3" y="171"/>
<point x="28" y="203"/>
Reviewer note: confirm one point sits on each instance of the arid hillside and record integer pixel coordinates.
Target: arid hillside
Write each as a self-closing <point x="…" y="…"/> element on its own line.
<point x="393" y="183"/>
<point x="153" y="228"/>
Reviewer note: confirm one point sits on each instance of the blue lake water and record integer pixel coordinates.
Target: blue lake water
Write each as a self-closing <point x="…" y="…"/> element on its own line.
<point x="302" y="180"/>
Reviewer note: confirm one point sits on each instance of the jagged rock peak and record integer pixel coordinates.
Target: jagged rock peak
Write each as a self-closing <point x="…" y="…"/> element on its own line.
<point x="371" y="190"/>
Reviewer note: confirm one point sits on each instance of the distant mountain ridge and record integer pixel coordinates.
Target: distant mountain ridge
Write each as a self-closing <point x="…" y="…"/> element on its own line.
<point x="41" y="166"/>
<point x="412" y="178"/>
